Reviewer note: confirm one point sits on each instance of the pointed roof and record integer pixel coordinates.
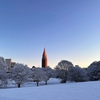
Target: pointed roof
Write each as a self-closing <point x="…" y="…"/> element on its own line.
<point x="44" y="53"/>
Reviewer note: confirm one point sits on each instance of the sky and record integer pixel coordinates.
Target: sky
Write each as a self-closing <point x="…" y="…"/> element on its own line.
<point x="68" y="29"/>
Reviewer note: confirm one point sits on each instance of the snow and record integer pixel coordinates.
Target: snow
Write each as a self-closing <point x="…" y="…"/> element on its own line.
<point x="53" y="91"/>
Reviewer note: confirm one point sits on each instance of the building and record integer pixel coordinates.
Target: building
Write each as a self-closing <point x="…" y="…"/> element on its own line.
<point x="10" y="64"/>
<point x="44" y="59"/>
<point x="13" y="64"/>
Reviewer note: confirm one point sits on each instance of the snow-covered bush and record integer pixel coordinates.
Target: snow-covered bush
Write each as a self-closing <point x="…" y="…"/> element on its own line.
<point x="94" y="71"/>
<point x="3" y="72"/>
<point x="62" y="70"/>
<point x="77" y="74"/>
<point x="20" y="73"/>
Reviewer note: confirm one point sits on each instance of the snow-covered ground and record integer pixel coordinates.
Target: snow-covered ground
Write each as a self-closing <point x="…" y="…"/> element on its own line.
<point x="53" y="91"/>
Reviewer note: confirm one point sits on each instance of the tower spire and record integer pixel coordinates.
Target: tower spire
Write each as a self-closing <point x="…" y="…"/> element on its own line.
<point x="44" y="59"/>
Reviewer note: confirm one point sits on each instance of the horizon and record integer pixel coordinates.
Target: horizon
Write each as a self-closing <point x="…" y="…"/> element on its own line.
<point x="48" y="65"/>
<point x="68" y="29"/>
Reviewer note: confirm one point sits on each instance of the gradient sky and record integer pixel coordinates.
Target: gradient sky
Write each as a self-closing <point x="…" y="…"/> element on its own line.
<point x="68" y="29"/>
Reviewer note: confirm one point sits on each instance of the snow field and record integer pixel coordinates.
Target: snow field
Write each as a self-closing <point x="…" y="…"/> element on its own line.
<point x="53" y="91"/>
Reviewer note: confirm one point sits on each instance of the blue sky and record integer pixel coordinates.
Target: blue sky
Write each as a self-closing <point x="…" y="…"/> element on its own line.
<point x="68" y="29"/>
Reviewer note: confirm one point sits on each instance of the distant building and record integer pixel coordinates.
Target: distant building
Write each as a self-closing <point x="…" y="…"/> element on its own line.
<point x="44" y="59"/>
<point x="10" y="64"/>
<point x="8" y="61"/>
<point x="13" y="64"/>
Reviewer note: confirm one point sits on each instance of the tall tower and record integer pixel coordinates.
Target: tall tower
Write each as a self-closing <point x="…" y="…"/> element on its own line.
<point x="44" y="59"/>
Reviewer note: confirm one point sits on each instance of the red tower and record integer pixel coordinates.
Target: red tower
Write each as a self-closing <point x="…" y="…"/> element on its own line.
<point x="44" y="59"/>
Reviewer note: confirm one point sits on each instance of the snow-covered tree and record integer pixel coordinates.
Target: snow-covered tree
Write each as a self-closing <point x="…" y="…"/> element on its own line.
<point x="50" y="72"/>
<point x="3" y="72"/>
<point x="3" y="78"/>
<point x="77" y="74"/>
<point x="20" y="73"/>
<point x="38" y="74"/>
<point x="62" y="70"/>
<point x="3" y="65"/>
<point x="94" y="71"/>
<point x="64" y="64"/>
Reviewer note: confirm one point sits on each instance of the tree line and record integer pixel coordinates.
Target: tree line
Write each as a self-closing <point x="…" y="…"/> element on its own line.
<point x="65" y="71"/>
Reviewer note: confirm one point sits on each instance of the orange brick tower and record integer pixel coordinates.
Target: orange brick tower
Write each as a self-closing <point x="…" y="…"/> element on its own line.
<point x="44" y="59"/>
